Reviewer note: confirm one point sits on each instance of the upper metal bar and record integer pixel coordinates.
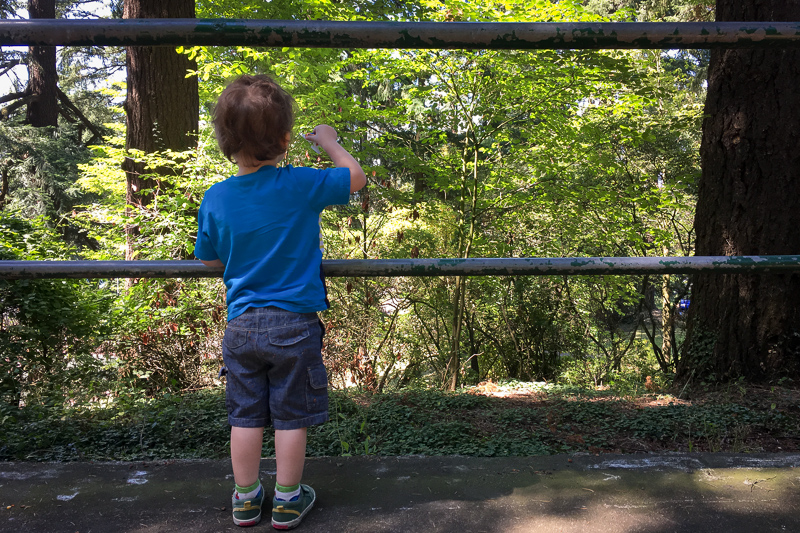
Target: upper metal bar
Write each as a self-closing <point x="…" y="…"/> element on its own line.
<point x="527" y="266"/>
<point x="441" y="35"/>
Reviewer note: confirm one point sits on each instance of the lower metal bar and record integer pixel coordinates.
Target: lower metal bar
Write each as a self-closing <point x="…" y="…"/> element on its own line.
<point x="527" y="266"/>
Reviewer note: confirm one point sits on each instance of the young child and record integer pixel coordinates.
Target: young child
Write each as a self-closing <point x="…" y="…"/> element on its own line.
<point x="262" y="225"/>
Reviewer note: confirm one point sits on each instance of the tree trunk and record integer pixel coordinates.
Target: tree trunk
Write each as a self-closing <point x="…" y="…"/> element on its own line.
<point x="3" y="186"/>
<point x="748" y="204"/>
<point x="454" y="361"/>
<point x="465" y="247"/>
<point x="475" y="349"/>
<point x="42" y="74"/>
<point x="162" y="105"/>
<point x="667" y="321"/>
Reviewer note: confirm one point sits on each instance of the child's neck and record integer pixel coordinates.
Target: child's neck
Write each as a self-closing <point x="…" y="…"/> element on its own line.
<point x="247" y="169"/>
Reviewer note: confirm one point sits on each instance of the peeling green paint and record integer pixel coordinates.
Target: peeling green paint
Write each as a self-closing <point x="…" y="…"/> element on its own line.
<point x="739" y="261"/>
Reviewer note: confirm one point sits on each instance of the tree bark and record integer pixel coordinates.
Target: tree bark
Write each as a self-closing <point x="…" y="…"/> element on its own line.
<point x="748" y="204"/>
<point x="3" y="186"/>
<point x="454" y="361"/>
<point x="465" y="240"/>
<point x="42" y="75"/>
<point x="162" y="105"/>
<point x="667" y="321"/>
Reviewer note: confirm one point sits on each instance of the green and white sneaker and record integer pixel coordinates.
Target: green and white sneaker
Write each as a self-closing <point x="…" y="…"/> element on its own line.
<point x="247" y="512"/>
<point x="288" y="515"/>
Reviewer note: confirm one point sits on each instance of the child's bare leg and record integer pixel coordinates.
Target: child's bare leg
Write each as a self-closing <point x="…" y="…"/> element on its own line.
<point x="292" y="500"/>
<point x="290" y="455"/>
<point x="246" y="454"/>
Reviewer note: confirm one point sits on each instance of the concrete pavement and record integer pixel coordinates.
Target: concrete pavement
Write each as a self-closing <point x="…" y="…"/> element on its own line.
<point x="704" y="493"/>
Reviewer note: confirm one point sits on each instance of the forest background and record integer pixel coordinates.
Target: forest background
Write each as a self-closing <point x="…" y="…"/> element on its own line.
<point x="551" y="153"/>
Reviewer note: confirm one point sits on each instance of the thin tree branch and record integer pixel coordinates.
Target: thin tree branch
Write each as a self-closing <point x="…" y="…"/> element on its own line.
<point x="64" y="99"/>
<point x="9" y="109"/>
<point x="8" y="65"/>
<point x="14" y="96"/>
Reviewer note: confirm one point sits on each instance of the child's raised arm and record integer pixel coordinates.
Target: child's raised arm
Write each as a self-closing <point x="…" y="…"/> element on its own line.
<point x="326" y="136"/>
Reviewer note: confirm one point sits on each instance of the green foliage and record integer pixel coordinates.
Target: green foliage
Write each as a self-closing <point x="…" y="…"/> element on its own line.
<point x="166" y="227"/>
<point x="655" y="10"/>
<point x="127" y="426"/>
<point x="538" y="419"/>
<point x="39" y="168"/>
<point x="167" y="332"/>
<point x="49" y="329"/>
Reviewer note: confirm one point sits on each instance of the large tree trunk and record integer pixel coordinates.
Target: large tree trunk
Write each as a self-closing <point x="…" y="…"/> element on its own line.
<point x="749" y="204"/>
<point x="42" y="74"/>
<point x="162" y="105"/>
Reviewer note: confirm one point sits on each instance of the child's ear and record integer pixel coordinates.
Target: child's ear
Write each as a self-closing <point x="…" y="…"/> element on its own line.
<point x="287" y="140"/>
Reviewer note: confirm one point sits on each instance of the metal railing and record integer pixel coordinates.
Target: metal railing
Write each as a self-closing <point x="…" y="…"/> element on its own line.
<point x="525" y="266"/>
<point x="419" y="35"/>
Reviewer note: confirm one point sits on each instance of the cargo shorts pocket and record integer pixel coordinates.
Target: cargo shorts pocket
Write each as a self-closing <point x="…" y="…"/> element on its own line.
<point x="317" y="390"/>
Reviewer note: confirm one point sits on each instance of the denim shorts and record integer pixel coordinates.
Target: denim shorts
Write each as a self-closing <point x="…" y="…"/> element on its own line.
<point x="275" y="370"/>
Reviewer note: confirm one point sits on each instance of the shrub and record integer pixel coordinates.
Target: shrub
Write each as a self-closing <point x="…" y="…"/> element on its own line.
<point x="49" y="329"/>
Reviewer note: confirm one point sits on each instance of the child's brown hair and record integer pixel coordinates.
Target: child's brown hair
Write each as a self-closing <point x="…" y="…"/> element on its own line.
<point x="253" y="119"/>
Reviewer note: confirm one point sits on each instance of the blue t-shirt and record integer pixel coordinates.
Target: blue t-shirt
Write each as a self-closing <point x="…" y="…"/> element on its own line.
<point x="264" y="227"/>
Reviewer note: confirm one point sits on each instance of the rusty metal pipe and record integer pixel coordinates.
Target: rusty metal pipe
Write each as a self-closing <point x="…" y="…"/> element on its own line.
<point x="546" y="266"/>
<point x="440" y="35"/>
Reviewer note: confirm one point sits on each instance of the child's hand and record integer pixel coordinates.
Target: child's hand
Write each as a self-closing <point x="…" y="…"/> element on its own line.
<point x="323" y="135"/>
<point x="326" y="137"/>
<point x="314" y="146"/>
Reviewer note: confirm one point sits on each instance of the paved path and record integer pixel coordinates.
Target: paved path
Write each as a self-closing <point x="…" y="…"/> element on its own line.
<point x="703" y="493"/>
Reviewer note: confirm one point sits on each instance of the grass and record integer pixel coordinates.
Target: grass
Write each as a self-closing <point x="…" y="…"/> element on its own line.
<point x="511" y="419"/>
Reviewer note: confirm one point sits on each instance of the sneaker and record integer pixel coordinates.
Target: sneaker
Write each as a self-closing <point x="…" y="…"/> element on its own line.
<point x="287" y="515"/>
<point x="247" y="512"/>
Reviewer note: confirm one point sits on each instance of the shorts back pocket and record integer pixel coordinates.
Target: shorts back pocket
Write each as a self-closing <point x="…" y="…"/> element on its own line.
<point x="288" y="335"/>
